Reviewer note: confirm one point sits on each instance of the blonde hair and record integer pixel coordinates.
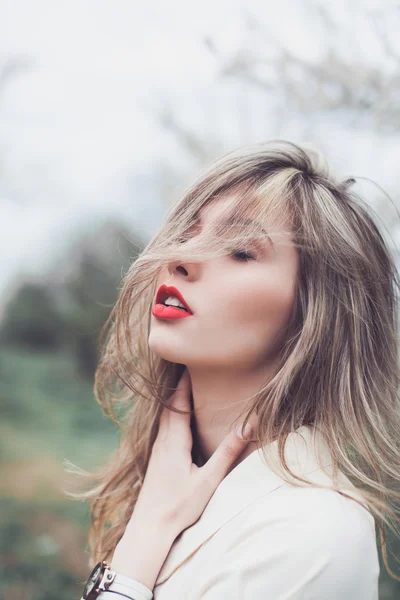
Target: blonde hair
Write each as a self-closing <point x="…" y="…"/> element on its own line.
<point x="339" y="359"/>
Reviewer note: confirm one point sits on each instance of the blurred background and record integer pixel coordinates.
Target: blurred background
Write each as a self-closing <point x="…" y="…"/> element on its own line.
<point x="108" y="111"/>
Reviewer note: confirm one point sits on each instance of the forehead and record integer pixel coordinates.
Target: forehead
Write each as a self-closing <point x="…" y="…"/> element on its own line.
<point x="217" y="207"/>
<point x="230" y="204"/>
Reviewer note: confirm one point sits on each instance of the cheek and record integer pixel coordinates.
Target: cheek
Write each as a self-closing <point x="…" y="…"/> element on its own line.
<point x="267" y="300"/>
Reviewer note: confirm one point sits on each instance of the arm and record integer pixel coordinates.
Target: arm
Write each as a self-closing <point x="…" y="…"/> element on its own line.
<point x="174" y="492"/>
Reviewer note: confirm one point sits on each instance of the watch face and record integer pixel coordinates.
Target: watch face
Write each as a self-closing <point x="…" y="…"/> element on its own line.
<point x="94" y="579"/>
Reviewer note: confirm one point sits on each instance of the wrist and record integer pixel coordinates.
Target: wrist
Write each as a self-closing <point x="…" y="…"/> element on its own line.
<point x="142" y="527"/>
<point x="129" y="587"/>
<point x="142" y="550"/>
<point x="105" y="582"/>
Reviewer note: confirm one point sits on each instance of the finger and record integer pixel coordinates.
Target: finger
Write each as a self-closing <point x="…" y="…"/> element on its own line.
<point x="181" y="397"/>
<point x="218" y="465"/>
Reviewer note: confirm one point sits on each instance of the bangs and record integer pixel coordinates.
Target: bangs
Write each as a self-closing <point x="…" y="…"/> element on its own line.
<point x="259" y="213"/>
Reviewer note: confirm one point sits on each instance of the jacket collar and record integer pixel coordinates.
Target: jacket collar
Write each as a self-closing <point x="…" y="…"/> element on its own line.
<point x="305" y="451"/>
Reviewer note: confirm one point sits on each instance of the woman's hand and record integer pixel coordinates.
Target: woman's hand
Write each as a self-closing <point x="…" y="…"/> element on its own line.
<point x="175" y="491"/>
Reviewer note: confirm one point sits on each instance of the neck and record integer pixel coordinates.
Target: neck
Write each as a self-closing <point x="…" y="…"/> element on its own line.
<point x="219" y="397"/>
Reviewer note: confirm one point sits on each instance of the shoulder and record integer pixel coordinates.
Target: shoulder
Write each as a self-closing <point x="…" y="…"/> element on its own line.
<point x="313" y="505"/>
<point x="301" y="543"/>
<point x="330" y="523"/>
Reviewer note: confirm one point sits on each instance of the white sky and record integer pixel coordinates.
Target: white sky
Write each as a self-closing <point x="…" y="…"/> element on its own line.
<point x="78" y="133"/>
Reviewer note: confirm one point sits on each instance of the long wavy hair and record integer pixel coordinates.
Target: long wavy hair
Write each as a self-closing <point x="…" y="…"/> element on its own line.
<point x="338" y="367"/>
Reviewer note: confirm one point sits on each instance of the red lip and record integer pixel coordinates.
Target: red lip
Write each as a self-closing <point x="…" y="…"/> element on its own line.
<point x="163" y="293"/>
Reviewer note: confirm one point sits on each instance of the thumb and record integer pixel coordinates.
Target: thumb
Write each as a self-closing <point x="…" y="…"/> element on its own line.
<point x="246" y="433"/>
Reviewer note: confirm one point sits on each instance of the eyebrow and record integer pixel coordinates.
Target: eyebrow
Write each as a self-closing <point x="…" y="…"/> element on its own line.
<point x="232" y="220"/>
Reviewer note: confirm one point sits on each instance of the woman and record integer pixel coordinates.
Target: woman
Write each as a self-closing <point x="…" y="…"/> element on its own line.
<point x="268" y="299"/>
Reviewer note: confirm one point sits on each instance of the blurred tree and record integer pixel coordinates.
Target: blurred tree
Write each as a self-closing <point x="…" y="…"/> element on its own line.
<point x="69" y="305"/>
<point x="348" y="84"/>
<point x="32" y="320"/>
<point x="90" y="289"/>
<point x="336" y="80"/>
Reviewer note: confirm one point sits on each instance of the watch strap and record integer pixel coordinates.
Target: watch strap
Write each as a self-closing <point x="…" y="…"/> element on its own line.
<point x="130" y="587"/>
<point x="109" y="595"/>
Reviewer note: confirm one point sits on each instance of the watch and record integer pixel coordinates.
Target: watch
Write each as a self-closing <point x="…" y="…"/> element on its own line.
<point x="98" y="581"/>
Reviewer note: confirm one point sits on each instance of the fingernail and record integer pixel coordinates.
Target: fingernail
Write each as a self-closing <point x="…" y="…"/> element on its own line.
<point x="247" y="431"/>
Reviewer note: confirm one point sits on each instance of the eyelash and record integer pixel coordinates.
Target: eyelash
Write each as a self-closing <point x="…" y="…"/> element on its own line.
<point x="248" y="255"/>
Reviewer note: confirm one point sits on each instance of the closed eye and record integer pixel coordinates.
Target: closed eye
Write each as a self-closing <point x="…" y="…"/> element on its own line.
<point x="243" y="256"/>
<point x="238" y="255"/>
<point x="181" y="240"/>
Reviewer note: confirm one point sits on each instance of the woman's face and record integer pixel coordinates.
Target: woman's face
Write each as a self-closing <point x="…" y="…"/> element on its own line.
<point x="240" y="307"/>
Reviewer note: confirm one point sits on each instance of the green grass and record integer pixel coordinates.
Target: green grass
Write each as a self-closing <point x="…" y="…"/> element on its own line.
<point x="47" y="408"/>
<point x="47" y="413"/>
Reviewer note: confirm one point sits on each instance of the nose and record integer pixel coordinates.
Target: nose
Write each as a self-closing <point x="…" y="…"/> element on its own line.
<point x="186" y="270"/>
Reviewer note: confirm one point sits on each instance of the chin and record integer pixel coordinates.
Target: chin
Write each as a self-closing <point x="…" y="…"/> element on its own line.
<point x="165" y="349"/>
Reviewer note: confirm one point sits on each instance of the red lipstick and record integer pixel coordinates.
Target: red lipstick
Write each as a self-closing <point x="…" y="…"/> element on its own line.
<point x="170" y="312"/>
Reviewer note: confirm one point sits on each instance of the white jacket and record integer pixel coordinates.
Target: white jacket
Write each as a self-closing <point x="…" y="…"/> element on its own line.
<point x="262" y="539"/>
